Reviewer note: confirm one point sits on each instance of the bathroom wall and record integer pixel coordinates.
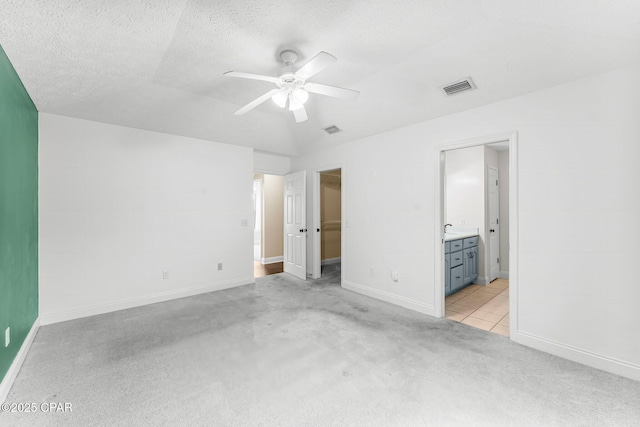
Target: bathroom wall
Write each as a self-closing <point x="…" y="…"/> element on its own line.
<point x="465" y="195"/>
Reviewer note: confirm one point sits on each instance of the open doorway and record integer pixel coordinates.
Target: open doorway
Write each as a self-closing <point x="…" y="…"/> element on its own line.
<point x="268" y="194"/>
<point x="328" y="200"/>
<point x="475" y="207"/>
<point x="330" y="221"/>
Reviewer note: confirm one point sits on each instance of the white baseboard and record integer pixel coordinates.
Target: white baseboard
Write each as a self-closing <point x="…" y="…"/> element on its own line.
<point x="575" y="354"/>
<point x="63" y="316"/>
<point x="329" y="261"/>
<point x="503" y="275"/>
<point x="391" y="298"/>
<point x="272" y="260"/>
<point x="12" y="373"/>
<point x="482" y="280"/>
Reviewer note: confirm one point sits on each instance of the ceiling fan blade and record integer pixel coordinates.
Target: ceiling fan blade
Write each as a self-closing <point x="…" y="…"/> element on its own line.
<point x="336" y="92"/>
<point x="253" y="104"/>
<point x="315" y="65"/>
<point x="251" y="76"/>
<point x="300" y="114"/>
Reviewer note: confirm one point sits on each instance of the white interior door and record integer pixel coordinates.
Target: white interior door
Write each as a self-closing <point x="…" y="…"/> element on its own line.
<point x="494" y="229"/>
<point x="295" y="224"/>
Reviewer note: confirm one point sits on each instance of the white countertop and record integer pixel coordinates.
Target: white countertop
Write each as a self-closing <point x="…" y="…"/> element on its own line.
<point x="456" y="232"/>
<point x="456" y="236"/>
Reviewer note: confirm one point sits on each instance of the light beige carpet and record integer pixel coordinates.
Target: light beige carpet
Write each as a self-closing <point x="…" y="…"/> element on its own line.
<point x="284" y="352"/>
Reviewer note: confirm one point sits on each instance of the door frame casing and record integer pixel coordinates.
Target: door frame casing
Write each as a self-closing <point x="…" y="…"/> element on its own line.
<point x="438" y="297"/>
<point x="316" y="271"/>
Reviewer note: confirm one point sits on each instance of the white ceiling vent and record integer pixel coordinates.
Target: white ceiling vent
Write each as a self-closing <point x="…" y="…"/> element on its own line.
<point x="332" y="129"/>
<point x="459" y="86"/>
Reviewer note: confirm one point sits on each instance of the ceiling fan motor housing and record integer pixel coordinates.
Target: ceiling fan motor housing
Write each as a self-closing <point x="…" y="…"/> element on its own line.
<point x="289" y="57"/>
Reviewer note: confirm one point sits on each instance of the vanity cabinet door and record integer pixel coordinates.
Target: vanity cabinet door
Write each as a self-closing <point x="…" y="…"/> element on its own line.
<point x="474" y="263"/>
<point x="470" y="265"/>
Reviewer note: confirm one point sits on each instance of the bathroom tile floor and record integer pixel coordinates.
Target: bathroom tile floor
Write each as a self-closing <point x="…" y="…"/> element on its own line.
<point x="484" y="307"/>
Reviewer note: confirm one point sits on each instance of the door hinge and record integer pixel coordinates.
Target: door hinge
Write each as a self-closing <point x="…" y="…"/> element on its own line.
<point x="497" y="221"/>
<point x="496" y="182"/>
<point x="498" y="260"/>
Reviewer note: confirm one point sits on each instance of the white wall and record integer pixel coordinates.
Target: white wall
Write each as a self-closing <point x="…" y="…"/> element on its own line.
<point x="271" y="164"/>
<point x="120" y="205"/>
<point x="464" y="171"/>
<point x="578" y="177"/>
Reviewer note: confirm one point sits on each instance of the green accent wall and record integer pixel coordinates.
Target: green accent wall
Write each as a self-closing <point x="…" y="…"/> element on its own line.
<point x="18" y="212"/>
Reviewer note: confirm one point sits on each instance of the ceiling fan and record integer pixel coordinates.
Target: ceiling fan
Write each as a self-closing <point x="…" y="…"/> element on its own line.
<point x="292" y="89"/>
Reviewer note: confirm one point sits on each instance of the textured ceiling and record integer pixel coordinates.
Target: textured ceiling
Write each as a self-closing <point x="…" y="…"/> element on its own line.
<point x="158" y="65"/>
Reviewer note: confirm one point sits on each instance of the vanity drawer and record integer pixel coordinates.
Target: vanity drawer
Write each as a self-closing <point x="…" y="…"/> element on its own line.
<point x="470" y="242"/>
<point x="456" y="259"/>
<point x="456" y="245"/>
<point x="447" y="247"/>
<point x="457" y="278"/>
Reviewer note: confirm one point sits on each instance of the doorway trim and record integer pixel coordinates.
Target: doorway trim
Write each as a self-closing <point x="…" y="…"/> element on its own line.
<point x="316" y="272"/>
<point x="512" y="138"/>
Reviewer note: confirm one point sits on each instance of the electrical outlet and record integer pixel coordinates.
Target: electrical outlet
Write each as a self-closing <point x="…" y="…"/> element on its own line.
<point x="165" y="275"/>
<point x="219" y="266"/>
<point x="7" y="336"/>
<point x="244" y="223"/>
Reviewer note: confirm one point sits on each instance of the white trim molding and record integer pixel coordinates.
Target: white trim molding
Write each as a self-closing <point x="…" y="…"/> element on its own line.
<point x="391" y="298"/>
<point x="272" y="260"/>
<point x="484" y="280"/>
<point x="12" y="373"/>
<point x="330" y="261"/>
<point x="504" y="275"/>
<point x="78" y="313"/>
<point x="579" y="355"/>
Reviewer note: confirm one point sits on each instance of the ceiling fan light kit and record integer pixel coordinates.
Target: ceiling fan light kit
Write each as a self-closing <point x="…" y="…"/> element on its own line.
<point x="292" y="88"/>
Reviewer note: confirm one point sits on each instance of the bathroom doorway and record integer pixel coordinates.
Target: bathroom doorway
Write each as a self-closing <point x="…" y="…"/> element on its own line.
<point x="475" y="203"/>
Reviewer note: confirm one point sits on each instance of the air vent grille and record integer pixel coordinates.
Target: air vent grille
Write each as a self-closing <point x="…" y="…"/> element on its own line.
<point x="459" y="86"/>
<point x="332" y="129"/>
